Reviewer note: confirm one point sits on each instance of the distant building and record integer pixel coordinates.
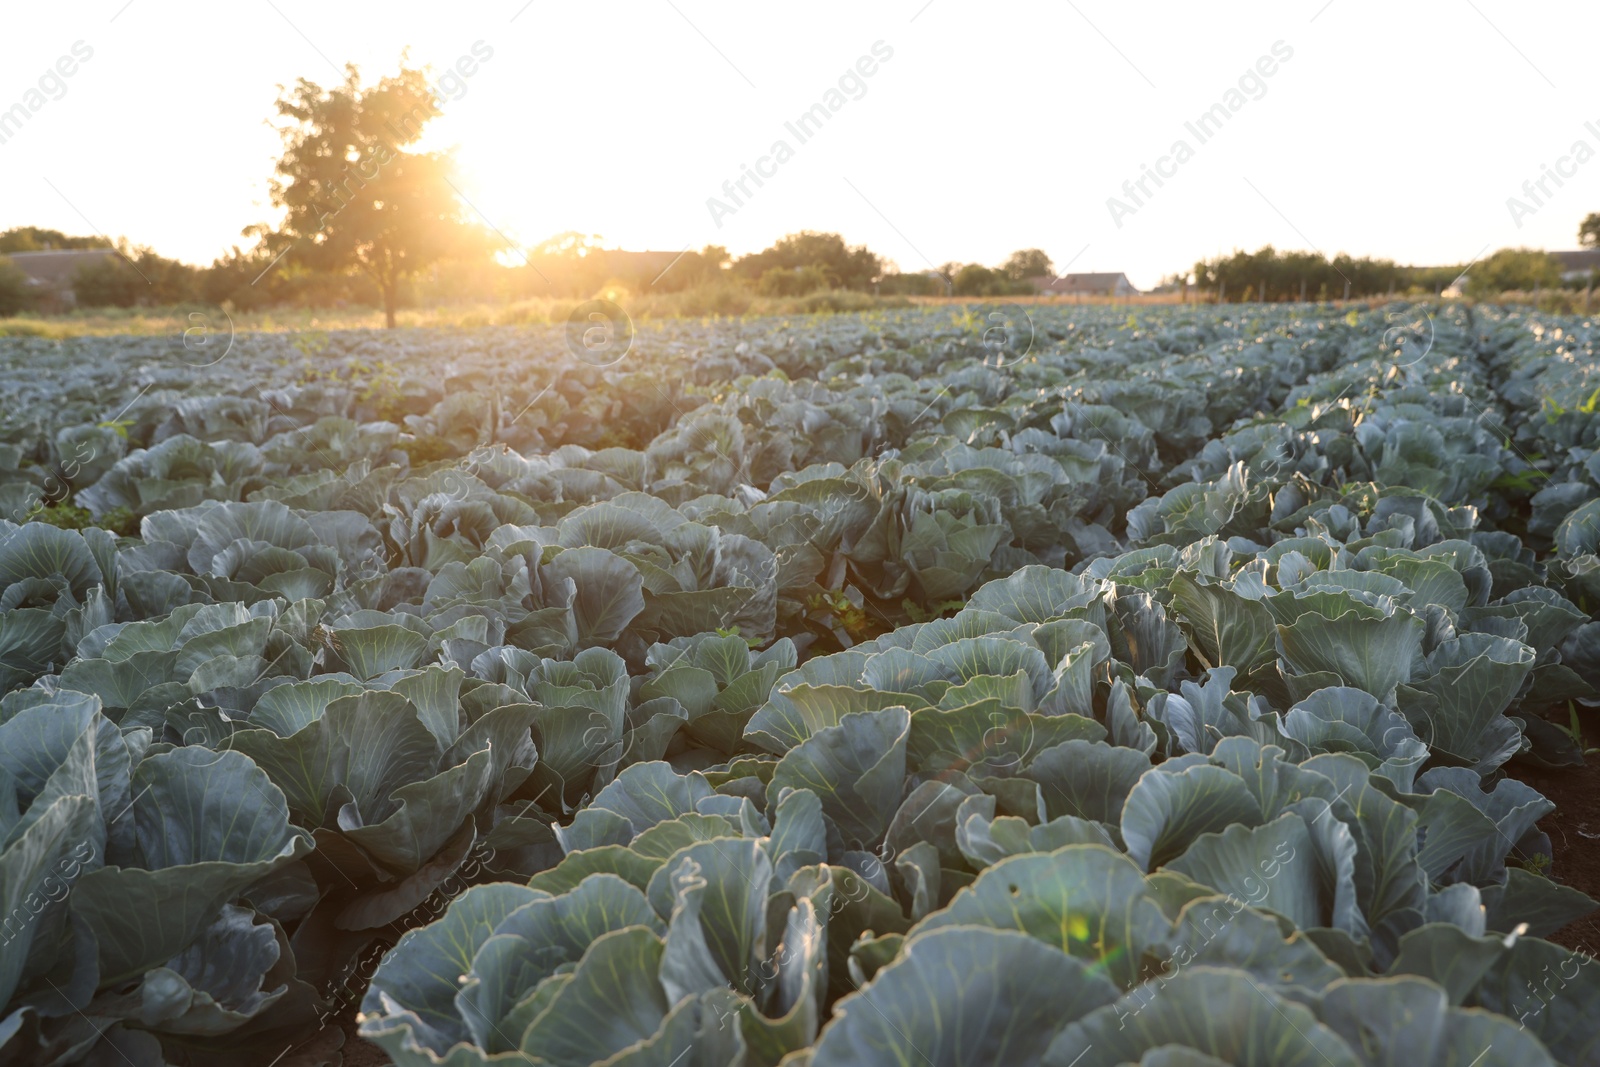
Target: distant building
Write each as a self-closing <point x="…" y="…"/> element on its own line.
<point x="52" y="272"/>
<point x="1576" y="266"/>
<point x="1086" y="285"/>
<point x="638" y="267"/>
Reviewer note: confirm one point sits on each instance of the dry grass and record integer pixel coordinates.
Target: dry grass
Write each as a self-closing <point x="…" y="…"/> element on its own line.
<point x="1059" y="300"/>
<point x="706" y="302"/>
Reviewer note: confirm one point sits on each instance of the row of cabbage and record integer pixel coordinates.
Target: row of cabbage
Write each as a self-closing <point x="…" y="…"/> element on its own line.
<point x="1248" y="620"/>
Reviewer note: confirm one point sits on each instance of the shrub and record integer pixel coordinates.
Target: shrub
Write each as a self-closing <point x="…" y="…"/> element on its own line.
<point x="792" y="281"/>
<point x="16" y="294"/>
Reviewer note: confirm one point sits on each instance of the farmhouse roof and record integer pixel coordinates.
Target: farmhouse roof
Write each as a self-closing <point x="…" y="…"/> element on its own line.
<point x="1579" y="262"/>
<point x="1105" y="282"/>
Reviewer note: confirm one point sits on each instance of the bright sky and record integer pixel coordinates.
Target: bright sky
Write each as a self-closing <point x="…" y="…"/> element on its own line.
<point x="1395" y="129"/>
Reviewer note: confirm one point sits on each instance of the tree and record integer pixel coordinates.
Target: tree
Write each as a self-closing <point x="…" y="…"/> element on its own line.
<point x="1514" y="269"/>
<point x="569" y="244"/>
<point x="133" y="277"/>
<point x="1589" y="230"/>
<point x="228" y="280"/>
<point x="107" y="283"/>
<point x="974" y="279"/>
<point x="1028" y="263"/>
<point x="691" y="269"/>
<point x="844" y="267"/>
<point x="1270" y="274"/>
<point x="353" y="199"/>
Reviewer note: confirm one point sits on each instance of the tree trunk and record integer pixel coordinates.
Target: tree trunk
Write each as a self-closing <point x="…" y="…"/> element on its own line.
<point x="389" y="292"/>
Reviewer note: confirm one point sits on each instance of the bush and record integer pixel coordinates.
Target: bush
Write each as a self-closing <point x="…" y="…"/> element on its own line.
<point x="16" y="294"/>
<point x="792" y="281"/>
<point x="911" y="285"/>
<point x="242" y="280"/>
<point x="717" y="298"/>
<point x="834" y="301"/>
<point x="1554" y="301"/>
<point x="107" y="283"/>
<point x="844" y="266"/>
<point x="136" y="278"/>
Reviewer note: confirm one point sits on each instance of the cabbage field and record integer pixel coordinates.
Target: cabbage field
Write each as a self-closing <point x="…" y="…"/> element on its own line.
<point x="928" y="688"/>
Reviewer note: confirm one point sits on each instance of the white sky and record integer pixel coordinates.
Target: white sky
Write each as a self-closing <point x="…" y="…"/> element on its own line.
<point x="1397" y="129"/>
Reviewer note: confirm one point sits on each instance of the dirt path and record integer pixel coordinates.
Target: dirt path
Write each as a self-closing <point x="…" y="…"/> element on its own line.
<point x="358" y="1053"/>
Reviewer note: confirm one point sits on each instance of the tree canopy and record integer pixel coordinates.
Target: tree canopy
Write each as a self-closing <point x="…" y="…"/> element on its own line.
<point x="1514" y="269"/>
<point x="843" y="266"/>
<point x="1027" y="263"/>
<point x="1589" y="230"/>
<point x="38" y="239"/>
<point x="1267" y="274"/>
<point x="135" y="276"/>
<point x="353" y="199"/>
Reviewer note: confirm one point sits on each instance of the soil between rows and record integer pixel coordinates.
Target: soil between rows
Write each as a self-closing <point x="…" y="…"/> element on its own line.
<point x="1574" y="829"/>
<point x="359" y="1053"/>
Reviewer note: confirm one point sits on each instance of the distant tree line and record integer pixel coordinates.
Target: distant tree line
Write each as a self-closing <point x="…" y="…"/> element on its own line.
<point x="807" y="262"/>
<point x="35" y="239"/>
<point x="367" y="221"/>
<point x="576" y="266"/>
<point x="1017" y="275"/>
<point x="1270" y="275"/>
<point x="569" y="265"/>
<point x="16" y="295"/>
